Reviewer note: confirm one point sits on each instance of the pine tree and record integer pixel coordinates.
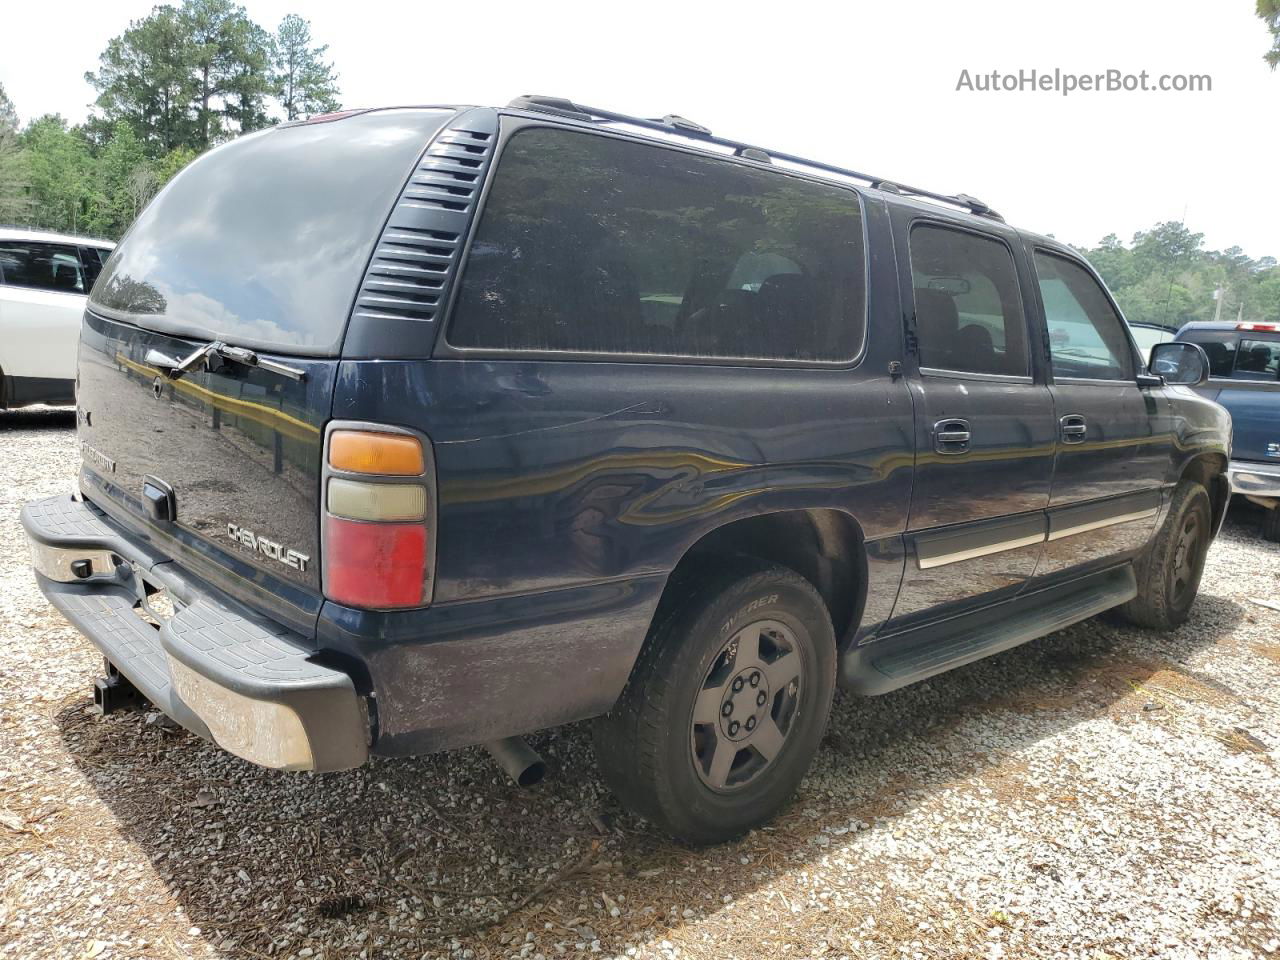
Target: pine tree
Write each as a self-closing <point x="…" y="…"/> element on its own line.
<point x="1269" y="11"/>
<point x="305" y="81"/>
<point x="185" y="77"/>
<point x="144" y="78"/>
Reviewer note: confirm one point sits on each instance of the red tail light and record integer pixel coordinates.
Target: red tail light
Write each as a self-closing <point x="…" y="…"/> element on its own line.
<point x="1260" y="327"/>
<point x="376" y="479"/>
<point x="375" y="565"/>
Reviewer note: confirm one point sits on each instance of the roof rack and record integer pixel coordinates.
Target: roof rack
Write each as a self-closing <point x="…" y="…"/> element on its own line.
<point x="674" y="124"/>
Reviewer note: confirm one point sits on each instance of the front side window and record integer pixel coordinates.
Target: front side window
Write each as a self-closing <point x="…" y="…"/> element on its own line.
<point x="968" y="312"/>
<point x="42" y="266"/>
<point x="593" y="244"/>
<point x="1087" y="338"/>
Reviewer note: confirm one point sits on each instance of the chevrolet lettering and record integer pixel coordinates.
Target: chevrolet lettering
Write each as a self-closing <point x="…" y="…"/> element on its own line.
<point x="97" y="457"/>
<point x="269" y="548"/>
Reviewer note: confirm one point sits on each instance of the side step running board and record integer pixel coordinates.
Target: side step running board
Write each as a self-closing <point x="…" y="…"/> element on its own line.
<point x="896" y="661"/>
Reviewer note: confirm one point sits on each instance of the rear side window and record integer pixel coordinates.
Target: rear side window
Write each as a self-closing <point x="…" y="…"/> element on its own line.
<point x="591" y="244"/>
<point x="1258" y="360"/>
<point x="1087" y="338"/>
<point x="968" y="311"/>
<point x="42" y="266"/>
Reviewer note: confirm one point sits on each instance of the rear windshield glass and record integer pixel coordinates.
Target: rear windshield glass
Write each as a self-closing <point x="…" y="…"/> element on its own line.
<point x="592" y="244"/>
<point x="263" y="242"/>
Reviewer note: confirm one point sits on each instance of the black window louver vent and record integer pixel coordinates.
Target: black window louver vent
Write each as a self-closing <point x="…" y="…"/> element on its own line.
<point x="417" y="255"/>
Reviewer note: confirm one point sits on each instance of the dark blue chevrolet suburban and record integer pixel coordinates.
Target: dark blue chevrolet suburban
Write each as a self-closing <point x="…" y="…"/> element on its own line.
<point x="415" y="428"/>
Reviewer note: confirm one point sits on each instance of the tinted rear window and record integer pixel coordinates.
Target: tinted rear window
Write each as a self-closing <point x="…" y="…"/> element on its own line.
<point x="591" y="244"/>
<point x="263" y="242"/>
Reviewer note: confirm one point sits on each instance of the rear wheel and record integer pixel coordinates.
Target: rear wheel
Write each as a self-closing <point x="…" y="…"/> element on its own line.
<point x="726" y="705"/>
<point x="1169" y="572"/>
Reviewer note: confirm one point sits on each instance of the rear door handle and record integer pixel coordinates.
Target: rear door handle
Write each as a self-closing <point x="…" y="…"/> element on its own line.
<point x="1074" y="428"/>
<point x="951" y="436"/>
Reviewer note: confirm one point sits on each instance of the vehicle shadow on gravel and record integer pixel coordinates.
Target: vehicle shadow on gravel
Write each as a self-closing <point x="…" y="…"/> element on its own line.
<point x="440" y="854"/>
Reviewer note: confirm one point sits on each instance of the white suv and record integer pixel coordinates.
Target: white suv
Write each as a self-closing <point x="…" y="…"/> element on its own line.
<point x="44" y="279"/>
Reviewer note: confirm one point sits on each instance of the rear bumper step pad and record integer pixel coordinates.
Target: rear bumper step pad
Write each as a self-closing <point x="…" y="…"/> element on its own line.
<point x="245" y="683"/>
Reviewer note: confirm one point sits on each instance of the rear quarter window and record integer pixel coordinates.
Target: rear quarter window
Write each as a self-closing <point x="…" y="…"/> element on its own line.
<point x="42" y="266"/>
<point x="598" y="245"/>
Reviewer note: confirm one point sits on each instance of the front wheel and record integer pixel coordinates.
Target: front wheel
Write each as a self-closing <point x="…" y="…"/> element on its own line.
<point x="1169" y="572"/>
<point x="726" y="705"/>
<point x="1271" y="524"/>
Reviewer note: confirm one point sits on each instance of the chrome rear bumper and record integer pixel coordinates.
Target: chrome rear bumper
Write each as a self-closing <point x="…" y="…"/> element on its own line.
<point x="221" y="671"/>
<point x="1252" y="479"/>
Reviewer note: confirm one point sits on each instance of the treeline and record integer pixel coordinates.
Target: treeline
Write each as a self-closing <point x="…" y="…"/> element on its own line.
<point x="188" y="77"/>
<point x="1166" y="277"/>
<point x="174" y="84"/>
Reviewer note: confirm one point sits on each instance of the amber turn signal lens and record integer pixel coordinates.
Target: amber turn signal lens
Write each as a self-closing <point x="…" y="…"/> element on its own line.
<point x="387" y="454"/>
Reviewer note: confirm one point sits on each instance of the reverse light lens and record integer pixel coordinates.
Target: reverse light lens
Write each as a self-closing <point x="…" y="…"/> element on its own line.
<point x="388" y="454"/>
<point x="377" y="501"/>
<point x="375" y="565"/>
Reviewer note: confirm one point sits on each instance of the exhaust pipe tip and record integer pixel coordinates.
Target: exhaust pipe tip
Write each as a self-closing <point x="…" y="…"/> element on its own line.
<point x="518" y="760"/>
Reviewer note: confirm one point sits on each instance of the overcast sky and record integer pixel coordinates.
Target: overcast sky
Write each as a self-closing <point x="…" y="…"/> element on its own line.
<point x="867" y="85"/>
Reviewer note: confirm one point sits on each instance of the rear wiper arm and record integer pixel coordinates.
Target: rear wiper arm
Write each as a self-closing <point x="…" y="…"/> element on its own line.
<point x="175" y="367"/>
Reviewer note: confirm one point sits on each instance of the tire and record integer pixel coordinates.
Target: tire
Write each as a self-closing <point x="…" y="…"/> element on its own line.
<point x="1271" y="525"/>
<point x="756" y="637"/>
<point x="1170" y="569"/>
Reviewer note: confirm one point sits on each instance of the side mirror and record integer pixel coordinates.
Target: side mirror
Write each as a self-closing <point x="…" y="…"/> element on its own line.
<point x="1180" y="363"/>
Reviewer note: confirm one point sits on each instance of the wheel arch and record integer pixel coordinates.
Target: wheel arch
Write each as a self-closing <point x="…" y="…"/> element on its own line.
<point x="823" y="545"/>
<point x="1210" y="471"/>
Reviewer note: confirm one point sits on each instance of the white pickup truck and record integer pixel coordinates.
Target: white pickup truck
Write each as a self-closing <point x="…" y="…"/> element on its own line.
<point x="44" y="280"/>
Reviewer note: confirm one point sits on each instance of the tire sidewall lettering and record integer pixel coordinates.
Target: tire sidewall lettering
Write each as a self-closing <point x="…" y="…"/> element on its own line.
<point x="742" y="614"/>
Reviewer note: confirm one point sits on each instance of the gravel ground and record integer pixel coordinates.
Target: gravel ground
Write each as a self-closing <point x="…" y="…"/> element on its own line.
<point x="1101" y="793"/>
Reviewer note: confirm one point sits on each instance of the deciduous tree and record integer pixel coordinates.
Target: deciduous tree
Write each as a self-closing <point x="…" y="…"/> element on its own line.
<point x="15" y="203"/>
<point x="61" y="174"/>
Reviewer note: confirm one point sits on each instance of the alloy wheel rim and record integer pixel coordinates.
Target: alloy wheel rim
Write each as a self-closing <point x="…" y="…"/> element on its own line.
<point x="746" y="708"/>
